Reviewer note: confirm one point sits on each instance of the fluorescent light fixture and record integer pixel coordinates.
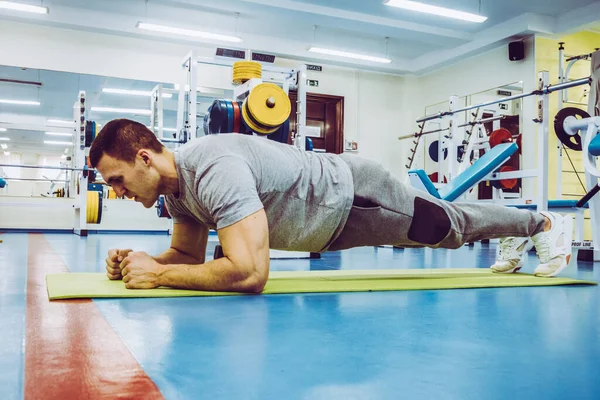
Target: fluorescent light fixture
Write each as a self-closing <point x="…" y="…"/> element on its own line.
<point x="4" y="138"/>
<point x="441" y="11"/>
<point x="2" y="129"/>
<point x="188" y="32"/>
<point x="349" y="55"/>
<point x="63" y="156"/>
<point x="7" y="153"/>
<point x="60" y="121"/>
<point x="57" y="142"/>
<point x="9" y="5"/>
<point x="59" y="134"/>
<point x="20" y="102"/>
<point x="134" y="92"/>
<point x="4" y="147"/>
<point x="122" y="110"/>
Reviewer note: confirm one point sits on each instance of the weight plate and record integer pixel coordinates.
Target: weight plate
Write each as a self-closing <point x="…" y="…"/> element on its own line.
<point x="253" y="124"/>
<point x="571" y="141"/>
<point x="236" y="117"/>
<point x="500" y="136"/>
<point x="269" y="105"/>
<point x="433" y="151"/>
<point x="506" y="183"/>
<point x="93" y="207"/>
<point x="228" y="128"/>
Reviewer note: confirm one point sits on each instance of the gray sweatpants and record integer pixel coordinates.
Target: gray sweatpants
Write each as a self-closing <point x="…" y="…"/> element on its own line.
<point x="385" y="211"/>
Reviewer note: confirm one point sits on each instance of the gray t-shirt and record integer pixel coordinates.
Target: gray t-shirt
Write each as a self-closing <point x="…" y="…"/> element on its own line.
<point x="307" y="196"/>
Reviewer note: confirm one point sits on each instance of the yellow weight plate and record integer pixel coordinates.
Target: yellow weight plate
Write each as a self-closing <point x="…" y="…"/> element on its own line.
<point x="262" y="130"/>
<point x="269" y="105"/>
<point x="247" y="64"/>
<point x="245" y="70"/>
<point x="88" y="208"/>
<point x="93" y="203"/>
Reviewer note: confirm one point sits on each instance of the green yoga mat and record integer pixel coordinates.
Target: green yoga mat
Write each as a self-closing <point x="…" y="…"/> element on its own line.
<point x="97" y="285"/>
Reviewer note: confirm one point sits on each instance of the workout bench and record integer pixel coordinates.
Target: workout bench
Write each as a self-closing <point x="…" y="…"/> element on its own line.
<point x="481" y="168"/>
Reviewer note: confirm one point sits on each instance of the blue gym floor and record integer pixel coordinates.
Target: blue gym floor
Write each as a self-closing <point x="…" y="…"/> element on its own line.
<point x="509" y="343"/>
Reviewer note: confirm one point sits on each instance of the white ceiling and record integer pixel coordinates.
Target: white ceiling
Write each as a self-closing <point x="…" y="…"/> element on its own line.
<point x="418" y="42"/>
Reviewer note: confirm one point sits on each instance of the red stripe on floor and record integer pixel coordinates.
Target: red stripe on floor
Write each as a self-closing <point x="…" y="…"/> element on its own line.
<point x="71" y="351"/>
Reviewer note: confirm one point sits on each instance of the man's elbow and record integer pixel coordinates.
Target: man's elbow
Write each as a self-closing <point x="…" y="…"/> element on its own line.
<point x="255" y="283"/>
<point x="256" y="280"/>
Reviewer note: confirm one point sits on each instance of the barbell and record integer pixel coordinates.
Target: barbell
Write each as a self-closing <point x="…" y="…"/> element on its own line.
<point x="86" y="170"/>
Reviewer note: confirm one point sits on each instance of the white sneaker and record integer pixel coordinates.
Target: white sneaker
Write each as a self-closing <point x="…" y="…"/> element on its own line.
<point x="554" y="247"/>
<point x="510" y="254"/>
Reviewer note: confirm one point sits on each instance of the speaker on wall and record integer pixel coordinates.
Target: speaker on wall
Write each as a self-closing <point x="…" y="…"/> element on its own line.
<point x="516" y="50"/>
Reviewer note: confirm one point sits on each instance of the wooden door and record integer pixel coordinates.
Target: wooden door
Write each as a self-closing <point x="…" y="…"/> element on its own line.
<point x="324" y="119"/>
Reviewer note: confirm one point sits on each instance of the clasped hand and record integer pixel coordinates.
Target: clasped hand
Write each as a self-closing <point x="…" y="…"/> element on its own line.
<point x="136" y="268"/>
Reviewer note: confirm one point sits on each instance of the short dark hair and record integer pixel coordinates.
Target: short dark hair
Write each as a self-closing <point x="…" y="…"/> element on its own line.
<point x="122" y="139"/>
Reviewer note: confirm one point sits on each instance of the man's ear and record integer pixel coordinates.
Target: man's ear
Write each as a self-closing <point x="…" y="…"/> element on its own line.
<point x="145" y="156"/>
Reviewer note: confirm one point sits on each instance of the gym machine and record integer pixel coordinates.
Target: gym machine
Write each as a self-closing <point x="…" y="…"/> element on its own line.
<point x="569" y="124"/>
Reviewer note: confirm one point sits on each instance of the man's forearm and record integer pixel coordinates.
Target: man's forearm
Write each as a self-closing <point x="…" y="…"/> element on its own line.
<point x="219" y="275"/>
<point x="174" y="256"/>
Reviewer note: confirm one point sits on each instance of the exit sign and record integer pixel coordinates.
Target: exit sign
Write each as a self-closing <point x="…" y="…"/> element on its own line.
<point x="310" y="67"/>
<point x="312" y="82"/>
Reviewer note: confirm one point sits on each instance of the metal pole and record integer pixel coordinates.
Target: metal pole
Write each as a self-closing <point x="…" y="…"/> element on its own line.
<point x="37" y="180"/>
<point x="545" y="90"/>
<point x="481" y="121"/>
<point x="566" y="85"/>
<point x="544" y="108"/>
<point x="561" y="99"/>
<point x="453" y="141"/>
<point x="165" y="140"/>
<point x="44" y="167"/>
<point x="301" y="109"/>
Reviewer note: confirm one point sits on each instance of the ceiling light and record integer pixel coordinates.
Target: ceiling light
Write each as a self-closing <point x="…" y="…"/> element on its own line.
<point x="2" y="129"/>
<point x="20" y="102"/>
<point x="9" y="5"/>
<point x="350" y="55"/>
<point x="187" y="32"/>
<point x="57" y="142"/>
<point x="60" y="121"/>
<point x="59" y="134"/>
<point x="7" y="153"/>
<point x="122" y="110"/>
<point x="4" y="138"/>
<point x="63" y="156"/>
<point x="4" y="146"/>
<point x="133" y="92"/>
<point x="441" y="11"/>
